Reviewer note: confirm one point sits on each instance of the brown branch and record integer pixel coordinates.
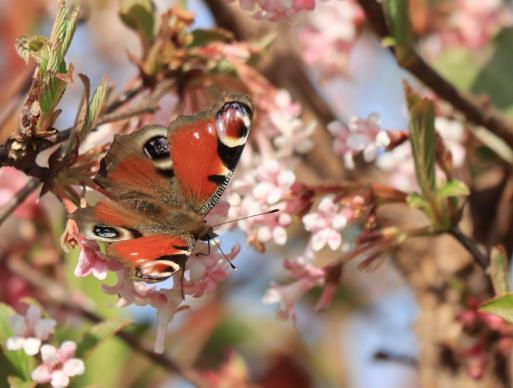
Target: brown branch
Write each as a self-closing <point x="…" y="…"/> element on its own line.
<point x="415" y="64"/>
<point x="26" y="161"/>
<point x="61" y="298"/>
<point x="470" y="245"/>
<point x="19" y="198"/>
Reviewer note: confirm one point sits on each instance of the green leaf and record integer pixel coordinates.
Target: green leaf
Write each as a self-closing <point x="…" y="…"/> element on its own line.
<point x="202" y="37"/>
<point x="20" y="362"/>
<point x="398" y="20"/>
<point x="98" y="334"/>
<point x="459" y="65"/>
<point x="90" y="108"/>
<point x="499" y="270"/>
<point x="496" y="77"/>
<point x="416" y="201"/>
<point x="139" y="16"/>
<point x="501" y="306"/>
<point x="82" y="118"/>
<point x="454" y="188"/>
<point x="31" y="46"/>
<point x="16" y="382"/>
<point x="97" y="101"/>
<point x="423" y="138"/>
<point x="51" y="94"/>
<point x="62" y="32"/>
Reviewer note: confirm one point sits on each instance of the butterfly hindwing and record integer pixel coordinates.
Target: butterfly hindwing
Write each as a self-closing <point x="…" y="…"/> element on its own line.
<point x="140" y="163"/>
<point x="151" y="250"/>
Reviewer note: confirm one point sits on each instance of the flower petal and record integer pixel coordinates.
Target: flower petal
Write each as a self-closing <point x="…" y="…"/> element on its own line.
<point x="73" y="367"/>
<point x="42" y="374"/>
<point x="67" y="350"/>
<point x="49" y="354"/>
<point x="44" y="328"/>
<point x="31" y="346"/>
<point x="18" y="324"/>
<point x="59" y="379"/>
<point x="15" y="342"/>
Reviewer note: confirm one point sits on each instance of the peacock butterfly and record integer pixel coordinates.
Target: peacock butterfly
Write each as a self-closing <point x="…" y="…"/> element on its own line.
<point x="161" y="183"/>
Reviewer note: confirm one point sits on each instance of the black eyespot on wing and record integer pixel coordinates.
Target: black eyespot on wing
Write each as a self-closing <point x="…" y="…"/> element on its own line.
<point x="161" y="268"/>
<point x="218" y="179"/>
<point x="229" y="155"/>
<point x="105" y="231"/>
<point x="157" y="148"/>
<point x="239" y="107"/>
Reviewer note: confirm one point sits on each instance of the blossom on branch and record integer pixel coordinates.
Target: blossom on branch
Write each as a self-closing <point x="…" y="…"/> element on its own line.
<point x="468" y="23"/>
<point x="267" y="188"/>
<point x="29" y="331"/>
<point x="286" y="296"/>
<point x="282" y="121"/>
<point x="359" y="135"/>
<point x="275" y="10"/>
<point x="328" y="222"/>
<point x="91" y="261"/>
<point x="206" y="271"/>
<point x="332" y="28"/>
<point x="58" y="365"/>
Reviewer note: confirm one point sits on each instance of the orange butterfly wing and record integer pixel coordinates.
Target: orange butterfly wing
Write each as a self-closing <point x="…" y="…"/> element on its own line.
<point x="206" y="149"/>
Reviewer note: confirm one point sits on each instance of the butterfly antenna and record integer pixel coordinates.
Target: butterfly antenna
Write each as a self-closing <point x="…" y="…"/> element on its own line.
<point x="245" y="218"/>
<point x="226" y="257"/>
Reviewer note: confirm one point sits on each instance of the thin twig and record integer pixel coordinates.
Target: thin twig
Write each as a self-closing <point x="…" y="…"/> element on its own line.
<point x="61" y="297"/>
<point x="117" y="103"/>
<point x="125" y="97"/>
<point x="471" y="246"/>
<point x="14" y="100"/>
<point x="136" y="111"/>
<point x="415" y="64"/>
<point x="19" y="198"/>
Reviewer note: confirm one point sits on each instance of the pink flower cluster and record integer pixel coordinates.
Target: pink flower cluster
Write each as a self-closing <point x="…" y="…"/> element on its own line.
<point x="58" y="365"/>
<point x="274" y="10"/>
<point x="334" y="223"/>
<point x="489" y="335"/>
<point x="359" y="136"/>
<point x="306" y="277"/>
<point x="468" y="23"/>
<point x="29" y="330"/>
<point x="266" y="188"/>
<point x="328" y="222"/>
<point x="207" y="271"/>
<point x="282" y="122"/>
<point x="332" y="28"/>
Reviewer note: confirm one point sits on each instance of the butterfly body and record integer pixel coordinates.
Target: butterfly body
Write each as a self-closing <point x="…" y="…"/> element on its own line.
<point x="161" y="183"/>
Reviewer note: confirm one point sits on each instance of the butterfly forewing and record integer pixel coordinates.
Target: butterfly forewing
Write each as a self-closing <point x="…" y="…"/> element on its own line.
<point x="206" y="148"/>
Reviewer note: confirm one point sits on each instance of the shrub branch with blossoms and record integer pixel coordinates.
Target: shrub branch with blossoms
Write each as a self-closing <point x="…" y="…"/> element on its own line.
<point x="432" y="170"/>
